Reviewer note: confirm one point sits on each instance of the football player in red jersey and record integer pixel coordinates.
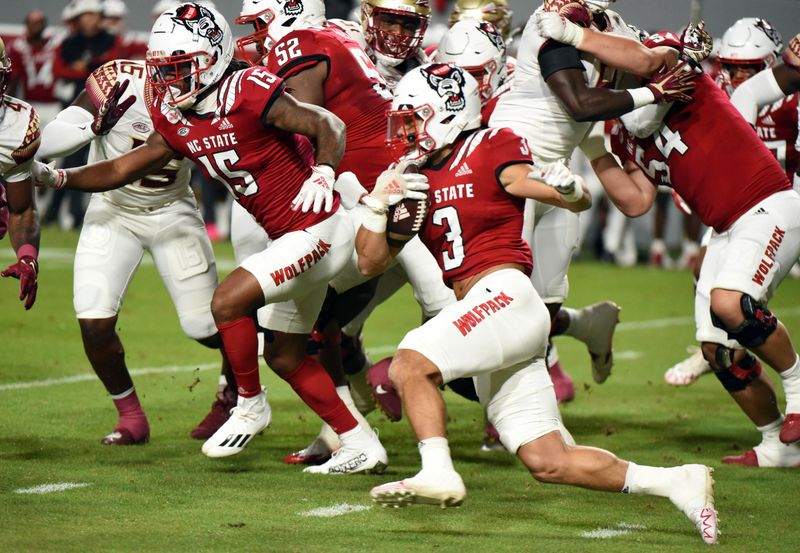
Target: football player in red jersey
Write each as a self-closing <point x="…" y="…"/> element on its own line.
<point x="324" y="66"/>
<point x="755" y="216"/>
<point x="18" y="144"/>
<point x="239" y="127"/>
<point x="497" y="331"/>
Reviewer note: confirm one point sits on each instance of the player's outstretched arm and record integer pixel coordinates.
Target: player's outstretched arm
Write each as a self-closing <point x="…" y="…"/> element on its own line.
<point x="145" y="160"/>
<point x="550" y="183"/>
<point x="23" y="230"/>
<point x="628" y="188"/>
<point x="617" y="51"/>
<point x="321" y="126"/>
<point x="69" y="131"/>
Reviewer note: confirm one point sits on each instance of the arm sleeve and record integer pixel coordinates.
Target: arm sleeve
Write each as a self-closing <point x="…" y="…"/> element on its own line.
<point x="70" y="131"/>
<point x="644" y="121"/>
<point x="759" y="90"/>
<point x="23" y="155"/>
<point x="555" y="56"/>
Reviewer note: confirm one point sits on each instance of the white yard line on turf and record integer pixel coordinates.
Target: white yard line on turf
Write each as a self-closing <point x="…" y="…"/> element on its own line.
<point x="88" y="377"/>
<point x="334" y="510"/>
<point x="51" y="488"/>
<point x="620" y="529"/>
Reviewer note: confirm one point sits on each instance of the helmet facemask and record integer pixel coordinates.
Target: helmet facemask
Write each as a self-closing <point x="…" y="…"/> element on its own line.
<point x="394" y="35"/>
<point x="5" y="68"/>
<point x="260" y="38"/>
<point x="406" y="135"/>
<point x="177" y="78"/>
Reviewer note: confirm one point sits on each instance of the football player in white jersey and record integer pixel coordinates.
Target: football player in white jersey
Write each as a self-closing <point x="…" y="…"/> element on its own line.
<point x="157" y="214"/>
<point x="19" y="140"/>
<point x="556" y="96"/>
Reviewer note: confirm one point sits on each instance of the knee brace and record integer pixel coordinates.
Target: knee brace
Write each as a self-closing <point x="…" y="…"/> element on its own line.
<point x="758" y="324"/>
<point x="735" y="376"/>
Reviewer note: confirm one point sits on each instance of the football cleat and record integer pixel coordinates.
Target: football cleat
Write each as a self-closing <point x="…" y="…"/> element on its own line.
<point x="123" y="436"/>
<point x="595" y="328"/>
<point x="386" y="396"/>
<point x="219" y="414"/>
<point x="305" y="457"/>
<point x="790" y="432"/>
<point x="748" y="459"/>
<point x="688" y="370"/>
<point x="491" y="439"/>
<point x="694" y="495"/>
<point x="250" y="417"/>
<point x="356" y="455"/>
<point x="431" y="487"/>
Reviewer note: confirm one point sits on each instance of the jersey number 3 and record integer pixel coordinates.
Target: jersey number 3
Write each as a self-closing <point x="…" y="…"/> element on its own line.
<point x="448" y="216"/>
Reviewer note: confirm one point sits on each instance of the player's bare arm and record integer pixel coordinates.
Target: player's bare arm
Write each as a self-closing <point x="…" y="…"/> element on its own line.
<point x="324" y="128"/>
<point x="628" y="188"/>
<point x="147" y="159"/>
<point x="307" y="86"/>
<point x="23" y="219"/>
<point x="585" y="103"/>
<point x="517" y="181"/>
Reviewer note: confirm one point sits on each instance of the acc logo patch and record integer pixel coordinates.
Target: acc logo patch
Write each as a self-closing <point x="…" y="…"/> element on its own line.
<point x="141" y="126"/>
<point x="183" y="131"/>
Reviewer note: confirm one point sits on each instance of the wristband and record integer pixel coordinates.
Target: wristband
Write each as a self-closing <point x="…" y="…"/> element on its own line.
<point x="641" y="96"/>
<point x="373" y="221"/>
<point x="27" y="250"/>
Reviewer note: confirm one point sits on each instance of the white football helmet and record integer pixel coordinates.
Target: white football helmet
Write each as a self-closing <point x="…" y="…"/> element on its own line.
<point x="190" y="48"/>
<point x="271" y="20"/>
<point x="394" y="29"/>
<point x="477" y="48"/>
<point x="751" y="43"/>
<point x="599" y="5"/>
<point x="432" y="105"/>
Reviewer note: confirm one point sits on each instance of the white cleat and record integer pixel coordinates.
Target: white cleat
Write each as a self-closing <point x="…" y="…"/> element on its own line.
<point x="595" y="328"/>
<point x="250" y="417"/>
<point x="688" y="370"/>
<point x="694" y="495"/>
<point x="364" y="454"/>
<point x="431" y="487"/>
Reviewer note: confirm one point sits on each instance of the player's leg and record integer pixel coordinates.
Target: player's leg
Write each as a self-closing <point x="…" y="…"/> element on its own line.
<point x="512" y="327"/>
<point x="760" y="249"/>
<point x="106" y="259"/>
<point x="183" y="256"/>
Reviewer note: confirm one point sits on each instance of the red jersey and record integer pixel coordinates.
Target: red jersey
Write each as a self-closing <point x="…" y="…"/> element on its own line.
<point x="354" y="91"/>
<point x="33" y="67"/>
<point x="776" y="125"/>
<point x="263" y="168"/>
<point x="473" y="222"/>
<point x="708" y="153"/>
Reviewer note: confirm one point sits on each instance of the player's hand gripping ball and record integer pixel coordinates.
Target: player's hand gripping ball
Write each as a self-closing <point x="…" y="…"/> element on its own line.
<point x="407" y="216"/>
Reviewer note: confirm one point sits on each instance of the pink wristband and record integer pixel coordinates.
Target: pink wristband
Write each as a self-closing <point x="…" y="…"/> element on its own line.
<point x="27" y="250"/>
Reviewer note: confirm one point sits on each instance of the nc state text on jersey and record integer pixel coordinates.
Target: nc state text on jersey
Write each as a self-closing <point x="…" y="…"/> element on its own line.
<point x="213" y="142"/>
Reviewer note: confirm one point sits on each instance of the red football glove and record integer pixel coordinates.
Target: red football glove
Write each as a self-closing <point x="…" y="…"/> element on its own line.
<point x="572" y="10"/>
<point x="791" y="56"/>
<point x="111" y="110"/>
<point x="27" y="271"/>
<point x="674" y="84"/>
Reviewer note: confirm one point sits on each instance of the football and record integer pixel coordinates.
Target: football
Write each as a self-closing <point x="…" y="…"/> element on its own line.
<point x="405" y="218"/>
<point x="573" y="10"/>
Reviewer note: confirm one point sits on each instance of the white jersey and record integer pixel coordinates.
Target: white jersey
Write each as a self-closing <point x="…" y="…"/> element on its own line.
<point x="531" y="108"/>
<point x="19" y="139"/>
<point x="168" y="185"/>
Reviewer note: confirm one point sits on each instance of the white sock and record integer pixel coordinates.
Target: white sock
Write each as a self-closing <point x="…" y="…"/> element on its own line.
<point x="791" y="386"/>
<point x="574" y="321"/>
<point x="344" y="393"/>
<point x="124" y="394"/>
<point x="770" y="432"/>
<point x="435" y="454"/>
<point x="644" y="480"/>
<point x="552" y="355"/>
<point x="326" y="441"/>
<point x="354" y="436"/>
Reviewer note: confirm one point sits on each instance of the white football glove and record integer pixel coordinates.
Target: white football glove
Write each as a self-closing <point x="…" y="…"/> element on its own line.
<point x="46" y="175"/>
<point x="554" y="26"/>
<point x="391" y="187"/>
<point x="558" y="175"/>
<point x="316" y="190"/>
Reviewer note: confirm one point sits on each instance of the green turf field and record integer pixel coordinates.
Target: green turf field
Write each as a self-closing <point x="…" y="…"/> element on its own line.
<point x="166" y="496"/>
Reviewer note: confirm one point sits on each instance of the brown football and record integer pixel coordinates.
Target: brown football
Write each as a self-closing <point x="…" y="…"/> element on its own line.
<point x="406" y="218"/>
